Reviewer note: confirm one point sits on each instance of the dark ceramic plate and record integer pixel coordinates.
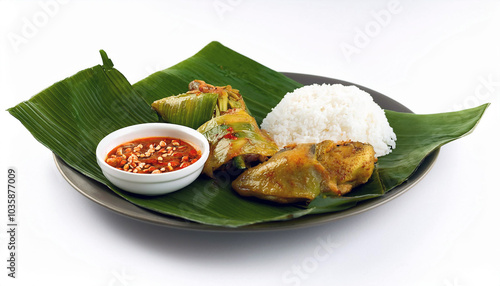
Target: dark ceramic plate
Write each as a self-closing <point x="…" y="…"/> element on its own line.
<point x="102" y="195"/>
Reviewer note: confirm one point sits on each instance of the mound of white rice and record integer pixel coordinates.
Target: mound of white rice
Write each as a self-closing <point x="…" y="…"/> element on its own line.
<point x="314" y="113"/>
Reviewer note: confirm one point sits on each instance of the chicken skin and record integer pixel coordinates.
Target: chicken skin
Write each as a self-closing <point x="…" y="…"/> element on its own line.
<point x="303" y="171"/>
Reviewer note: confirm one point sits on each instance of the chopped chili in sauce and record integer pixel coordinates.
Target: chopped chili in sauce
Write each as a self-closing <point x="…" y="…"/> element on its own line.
<point x="230" y="135"/>
<point x="153" y="155"/>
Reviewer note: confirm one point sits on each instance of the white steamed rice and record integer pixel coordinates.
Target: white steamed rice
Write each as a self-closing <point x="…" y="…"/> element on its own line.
<point x="314" y="113"/>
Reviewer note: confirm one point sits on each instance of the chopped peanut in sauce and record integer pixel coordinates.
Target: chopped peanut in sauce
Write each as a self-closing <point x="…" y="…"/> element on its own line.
<point x="153" y="155"/>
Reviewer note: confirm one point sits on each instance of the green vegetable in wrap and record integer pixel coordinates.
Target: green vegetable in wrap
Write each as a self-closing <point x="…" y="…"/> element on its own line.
<point x="235" y="137"/>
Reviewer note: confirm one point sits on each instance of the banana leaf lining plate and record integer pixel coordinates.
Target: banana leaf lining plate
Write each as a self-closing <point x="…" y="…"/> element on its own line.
<point x="105" y="197"/>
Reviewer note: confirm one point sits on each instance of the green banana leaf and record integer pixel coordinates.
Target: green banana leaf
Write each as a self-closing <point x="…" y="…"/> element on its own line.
<point x="73" y="115"/>
<point x="261" y="87"/>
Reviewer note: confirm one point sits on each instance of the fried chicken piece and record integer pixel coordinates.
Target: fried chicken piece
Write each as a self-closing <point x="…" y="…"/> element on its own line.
<point x="301" y="172"/>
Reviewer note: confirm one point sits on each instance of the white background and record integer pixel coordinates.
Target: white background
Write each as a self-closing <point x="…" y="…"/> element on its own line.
<point x="434" y="56"/>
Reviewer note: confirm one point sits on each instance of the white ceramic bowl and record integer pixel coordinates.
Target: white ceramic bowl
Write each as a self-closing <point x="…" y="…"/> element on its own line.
<point x="152" y="184"/>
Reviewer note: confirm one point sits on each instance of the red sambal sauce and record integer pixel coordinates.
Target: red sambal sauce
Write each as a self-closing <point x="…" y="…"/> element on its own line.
<point x="153" y="155"/>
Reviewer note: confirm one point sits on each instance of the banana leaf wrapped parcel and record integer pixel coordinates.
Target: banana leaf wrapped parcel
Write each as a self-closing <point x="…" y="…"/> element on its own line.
<point x="188" y="109"/>
<point x="236" y="141"/>
<point x="201" y="103"/>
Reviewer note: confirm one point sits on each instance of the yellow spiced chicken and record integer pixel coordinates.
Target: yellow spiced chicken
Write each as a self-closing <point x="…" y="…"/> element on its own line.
<point x="303" y="171"/>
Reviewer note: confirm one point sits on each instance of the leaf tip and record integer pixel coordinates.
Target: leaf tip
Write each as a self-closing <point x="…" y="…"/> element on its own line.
<point x="107" y="63"/>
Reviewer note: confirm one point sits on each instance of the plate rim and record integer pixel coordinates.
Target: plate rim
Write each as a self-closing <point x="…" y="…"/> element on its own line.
<point x="123" y="207"/>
